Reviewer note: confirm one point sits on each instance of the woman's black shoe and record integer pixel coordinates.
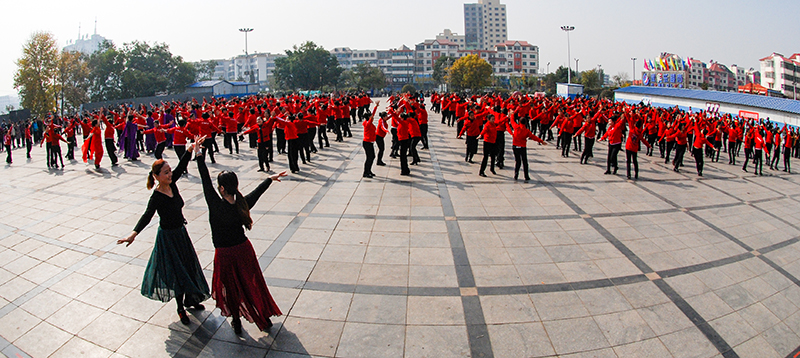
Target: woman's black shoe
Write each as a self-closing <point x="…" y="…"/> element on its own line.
<point x="184" y="318"/>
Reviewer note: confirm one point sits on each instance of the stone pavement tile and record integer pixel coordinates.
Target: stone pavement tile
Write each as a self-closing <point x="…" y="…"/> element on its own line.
<point x="77" y="347"/>
<point x="251" y="336"/>
<point x="110" y="330"/>
<point x="481" y="240"/>
<point x="757" y="347"/>
<point x="758" y="288"/>
<point x="167" y="317"/>
<point x="540" y="274"/>
<point x="308" y="337"/>
<point x="777" y="280"/>
<point x="42" y="340"/>
<point x="335" y="272"/>
<point x="575" y="335"/>
<point x="528" y="255"/>
<point x="508" y="309"/>
<point x="16" y="323"/>
<point x="425" y="226"/>
<point x="600" y="353"/>
<point x="322" y="305"/>
<point x="429" y="240"/>
<point x="558" y="305"/>
<point x="431" y="256"/>
<point x="759" y="317"/>
<point x="100" y="268"/>
<point x="301" y="251"/>
<point x="341" y="237"/>
<point x="25" y="247"/>
<point x="495" y="275"/>
<point x="385" y="275"/>
<point x="511" y="227"/>
<point x="432" y="276"/>
<point x="649" y="348"/>
<point x="624" y="327"/>
<point x="617" y="267"/>
<point x="520" y="340"/>
<point x="714" y="278"/>
<point x="780" y="306"/>
<point x="781" y="338"/>
<point x="45" y="304"/>
<point x="551" y="238"/>
<point x="378" y="309"/>
<point x="687" y="285"/>
<point x="388" y="225"/>
<point x="129" y="276"/>
<point x="104" y="294"/>
<point x="709" y="306"/>
<point x="371" y="340"/>
<point x="344" y="253"/>
<point x="736" y="296"/>
<point x="581" y="271"/>
<point x="216" y="348"/>
<point x="21" y="264"/>
<point x="355" y="224"/>
<point x="45" y="252"/>
<point x="664" y="318"/>
<point x="518" y="239"/>
<point x="688" y="343"/>
<point x="437" y="341"/>
<point x="389" y="239"/>
<point x="431" y="310"/>
<point x="733" y="328"/>
<point x="154" y="341"/>
<point x="138" y="307"/>
<point x="319" y="223"/>
<point x="74" y="285"/>
<point x="290" y="269"/>
<point x="603" y="300"/>
<point x="386" y="255"/>
<point x="74" y="316"/>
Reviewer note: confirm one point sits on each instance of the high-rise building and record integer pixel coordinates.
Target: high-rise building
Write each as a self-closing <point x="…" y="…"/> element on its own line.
<point x="485" y="24"/>
<point x="781" y="74"/>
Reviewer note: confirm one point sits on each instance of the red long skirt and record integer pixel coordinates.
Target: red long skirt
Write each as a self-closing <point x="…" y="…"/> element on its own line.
<point x="238" y="285"/>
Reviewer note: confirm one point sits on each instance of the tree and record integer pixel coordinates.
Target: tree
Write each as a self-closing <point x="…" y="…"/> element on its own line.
<point x="37" y="69"/>
<point x="364" y="76"/>
<point x="591" y="79"/>
<point x="105" y="73"/>
<point x="73" y="81"/>
<point x="205" y="70"/>
<point x="441" y="67"/>
<point x="150" y="70"/>
<point x="408" y="88"/>
<point x="307" y="67"/>
<point x="470" y="72"/>
<point x="561" y="75"/>
<point x="621" y="79"/>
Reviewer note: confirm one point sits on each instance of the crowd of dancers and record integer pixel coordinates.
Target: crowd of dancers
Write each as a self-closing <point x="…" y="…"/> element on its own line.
<point x="299" y="126"/>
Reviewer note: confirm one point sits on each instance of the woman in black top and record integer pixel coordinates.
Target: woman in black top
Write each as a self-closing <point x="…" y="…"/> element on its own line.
<point x="238" y="285"/>
<point x="173" y="269"/>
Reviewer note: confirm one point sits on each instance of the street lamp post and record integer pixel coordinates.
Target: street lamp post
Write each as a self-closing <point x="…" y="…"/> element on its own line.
<point x="246" y="55"/>
<point x="567" y="29"/>
<point x="576" y="66"/>
<point x="633" y="75"/>
<point x="548" y="68"/>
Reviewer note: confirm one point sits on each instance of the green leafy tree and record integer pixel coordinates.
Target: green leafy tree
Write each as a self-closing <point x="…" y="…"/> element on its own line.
<point x="307" y="67"/>
<point x="441" y="67"/>
<point x="561" y="75"/>
<point x="105" y="72"/>
<point x="409" y="88"/>
<point x="153" y="69"/>
<point x="591" y="79"/>
<point x="205" y="70"/>
<point x="36" y="74"/>
<point x="364" y="76"/>
<point x="73" y="81"/>
<point x="621" y="79"/>
<point x="470" y="72"/>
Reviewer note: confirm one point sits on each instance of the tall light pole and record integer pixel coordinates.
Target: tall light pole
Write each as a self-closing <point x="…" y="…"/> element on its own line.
<point x="634" y="70"/>
<point x="246" y="55"/>
<point x="567" y="29"/>
<point x="548" y="68"/>
<point x="576" y="66"/>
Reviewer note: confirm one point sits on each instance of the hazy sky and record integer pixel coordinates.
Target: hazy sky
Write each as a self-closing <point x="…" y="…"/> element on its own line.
<point x="607" y="33"/>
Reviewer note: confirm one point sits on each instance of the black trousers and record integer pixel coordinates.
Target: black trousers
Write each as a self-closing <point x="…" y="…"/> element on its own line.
<point x="680" y="150"/>
<point x="521" y="158"/>
<point x="632" y="156"/>
<point x="787" y="154"/>
<point x="489" y="152"/>
<point x="280" y="137"/>
<point x="112" y="150"/>
<point x="395" y="142"/>
<point x="369" y="149"/>
<point x="732" y="153"/>
<point x="381" y="147"/>
<point x="670" y="145"/>
<point x="423" y="128"/>
<point x="180" y="150"/>
<point x="322" y="135"/>
<point x="587" y="150"/>
<point x="263" y="155"/>
<point x="294" y="152"/>
<point x="566" y="141"/>
<point x="231" y="137"/>
<point x="208" y="148"/>
<point x="500" y="149"/>
<point x="8" y="154"/>
<point x="159" y="151"/>
<point x="613" y="151"/>
<point x="698" y="159"/>
<point x="71" y="143"/>
<point x="405" y="144"/>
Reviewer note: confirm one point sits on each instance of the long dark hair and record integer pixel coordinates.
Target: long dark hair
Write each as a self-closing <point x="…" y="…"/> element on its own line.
<point x="155" y="170"/>
<point x="230" y="182"/>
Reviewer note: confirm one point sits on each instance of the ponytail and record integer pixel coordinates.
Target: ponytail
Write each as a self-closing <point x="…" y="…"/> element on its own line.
<point x="244" y="211"/>
<point x="154" y="170"/>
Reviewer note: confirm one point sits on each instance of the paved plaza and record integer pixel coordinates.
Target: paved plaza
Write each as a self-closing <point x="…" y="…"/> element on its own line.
<point x="443" y="263"/>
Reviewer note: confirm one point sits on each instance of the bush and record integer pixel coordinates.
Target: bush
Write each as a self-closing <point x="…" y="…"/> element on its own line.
<point x="409" y="88"/>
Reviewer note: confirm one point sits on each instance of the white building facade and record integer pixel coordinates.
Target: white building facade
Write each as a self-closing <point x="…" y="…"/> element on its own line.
<point x="781" y="74"/>
<point x="485" y="24"/>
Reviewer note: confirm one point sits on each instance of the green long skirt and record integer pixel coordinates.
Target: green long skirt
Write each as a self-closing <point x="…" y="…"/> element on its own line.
<point x="173" y="269"/>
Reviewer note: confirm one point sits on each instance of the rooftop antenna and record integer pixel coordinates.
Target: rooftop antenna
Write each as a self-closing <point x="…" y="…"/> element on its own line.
<point x="95" y="25"/>
<point x="79" y="31"/>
